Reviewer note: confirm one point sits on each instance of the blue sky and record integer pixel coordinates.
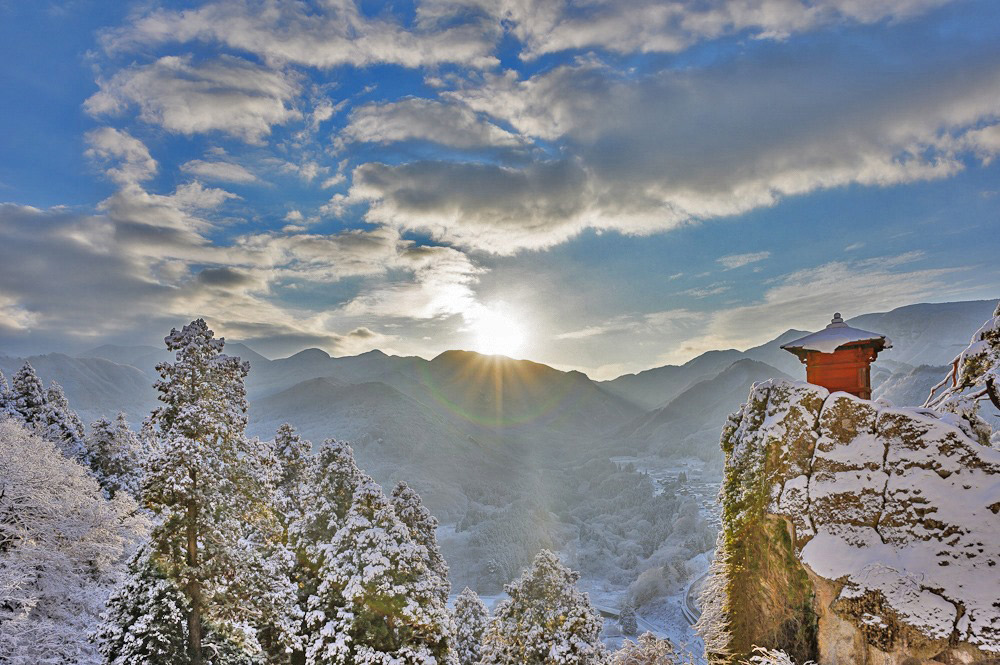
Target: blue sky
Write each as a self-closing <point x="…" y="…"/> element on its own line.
<point x="597" y="185"/>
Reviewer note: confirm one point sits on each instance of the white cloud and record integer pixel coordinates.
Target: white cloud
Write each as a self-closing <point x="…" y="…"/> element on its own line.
<point x="447" y="123"/>
<point x="739" y="260"/>
<point x="227" y="94"/>
<point x="651" y="324"/>
<point x="545" y="26"/>
<point x="131" y="159"/>
<point x="222" y="171"/>
<point x="145" y="263"/>
<point x="646" y="154"/>
<point x="336" y="33"/>
<point x="806" y="298"/>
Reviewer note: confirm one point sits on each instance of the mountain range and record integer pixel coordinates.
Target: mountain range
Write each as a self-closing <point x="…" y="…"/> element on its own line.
<point x="463" y="416"/>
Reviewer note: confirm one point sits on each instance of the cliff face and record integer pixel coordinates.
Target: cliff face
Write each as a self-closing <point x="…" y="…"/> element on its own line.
<point x="854" y="532"/>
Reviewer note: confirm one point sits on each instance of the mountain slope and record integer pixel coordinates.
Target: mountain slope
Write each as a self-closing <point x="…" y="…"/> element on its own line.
<point x="928" y="333"/>
<point x="394" y="436"/>
<point x="655" y="387"/>
<point x="692" y="422"/>
<point x="95" y="387"/>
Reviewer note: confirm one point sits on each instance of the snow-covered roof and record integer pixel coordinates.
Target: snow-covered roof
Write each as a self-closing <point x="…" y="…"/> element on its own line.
<point x="835" y="335"/>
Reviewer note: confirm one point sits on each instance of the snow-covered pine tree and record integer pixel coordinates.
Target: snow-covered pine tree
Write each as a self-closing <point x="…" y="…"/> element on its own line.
<point x="627" y="620"/>
<point x="146" y="619"/>
<point x="7" y="402"/>
<point x="423" y="529"/>
<point x="376" y="603"/>
<point x="131" y="454"/>
<point x="331" y="477"/>
<point x="115" y="456"/>
<point x="271" y="580"/>
<point x="546" y="620"/>
<point x="202" y="483"/>
<point x="292" y="454"/>
<point x="471" y="620"/>
<point x="62" y="426"/>
<point x="29" y="396"/>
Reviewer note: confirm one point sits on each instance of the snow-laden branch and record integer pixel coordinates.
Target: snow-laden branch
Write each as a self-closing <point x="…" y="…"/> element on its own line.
<point x="974" y="375"/>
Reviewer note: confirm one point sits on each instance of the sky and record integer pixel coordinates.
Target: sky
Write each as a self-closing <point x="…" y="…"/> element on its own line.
<point x="597" y="185"/>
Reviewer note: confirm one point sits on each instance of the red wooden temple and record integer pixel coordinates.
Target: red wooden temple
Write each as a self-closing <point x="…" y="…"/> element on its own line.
<point x="839" y="357"/>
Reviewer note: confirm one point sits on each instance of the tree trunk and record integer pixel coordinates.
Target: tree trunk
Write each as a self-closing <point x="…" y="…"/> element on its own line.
<point x="194" y="586"/>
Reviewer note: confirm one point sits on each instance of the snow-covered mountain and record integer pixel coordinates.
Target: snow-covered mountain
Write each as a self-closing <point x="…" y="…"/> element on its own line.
<point x="928" y="334"/>
<point x="463" y="410"/>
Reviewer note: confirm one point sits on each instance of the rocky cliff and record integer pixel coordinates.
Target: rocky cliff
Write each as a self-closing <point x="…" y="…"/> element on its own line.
<point x="855" y="532"/>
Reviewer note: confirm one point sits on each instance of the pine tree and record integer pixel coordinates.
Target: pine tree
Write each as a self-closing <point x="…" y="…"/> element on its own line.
<point x="29" y="397"/>
<point x="376" y="602"/>
<point x="423" y="529"/>
<point x="292" y="454"/>
<point x="331" y="480"/>
<point x="7" y="400"/>
<point x="471" y="620"/>
<point x="115" y="456"/>
<point x="627" y="619"/>
<point x="546" y="620"/>
<point x="203" y="484"/>
<point x="331" y="477"/>
<point x="146" y="619"/>
<point x="62" y="426"/>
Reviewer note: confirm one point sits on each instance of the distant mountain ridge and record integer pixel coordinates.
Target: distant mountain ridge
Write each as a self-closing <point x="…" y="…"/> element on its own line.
<point x="464" y="410"/>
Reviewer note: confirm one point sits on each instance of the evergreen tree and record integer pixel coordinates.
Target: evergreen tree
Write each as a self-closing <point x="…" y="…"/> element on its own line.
<point x="272" y="581"/>
<point x="29" y="397"/>
<point x="7" y="401"/>
<point x="331" y="480"/>
<point x="292" y="454"/>
<point x="471" y="620"/>
<point x="423" y="529"/>
<point x="376" y="602"/>
<point x="546" y="620"/>
<point x="627" y="620"/>
<point x="146" y="619"/>
<point x="331" y="477"/>
<point x="115" y="456"/>
<point x="203" y="483"/>
<point x="62" y="426"/>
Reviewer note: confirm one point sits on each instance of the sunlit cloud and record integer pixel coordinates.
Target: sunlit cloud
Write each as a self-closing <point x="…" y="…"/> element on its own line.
<point x="226" y="94"/>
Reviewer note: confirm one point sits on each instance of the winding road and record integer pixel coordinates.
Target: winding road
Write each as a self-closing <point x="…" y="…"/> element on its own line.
<point x="690" y="607"/>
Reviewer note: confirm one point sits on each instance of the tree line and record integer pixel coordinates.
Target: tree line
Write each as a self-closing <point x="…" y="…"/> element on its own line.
<point x="257" y="552"/>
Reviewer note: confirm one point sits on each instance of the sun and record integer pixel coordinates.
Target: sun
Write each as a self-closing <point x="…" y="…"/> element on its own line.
<point x="497" y="331"/>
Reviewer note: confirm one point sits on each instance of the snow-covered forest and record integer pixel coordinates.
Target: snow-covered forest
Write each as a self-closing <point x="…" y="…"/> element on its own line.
<point x="191" y="542"/>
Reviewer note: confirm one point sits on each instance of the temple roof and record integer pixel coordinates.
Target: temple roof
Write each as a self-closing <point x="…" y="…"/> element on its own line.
<point x="834" y="336"/>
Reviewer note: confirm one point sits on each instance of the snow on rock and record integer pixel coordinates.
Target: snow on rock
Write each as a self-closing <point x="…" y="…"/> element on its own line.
<point x="892" y="512"/>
